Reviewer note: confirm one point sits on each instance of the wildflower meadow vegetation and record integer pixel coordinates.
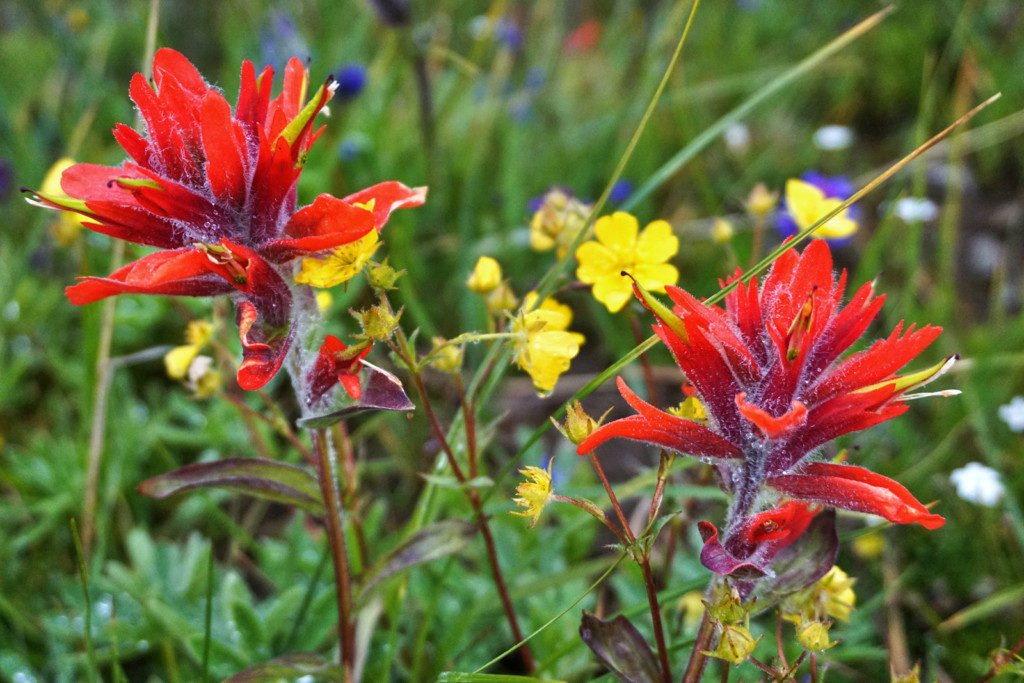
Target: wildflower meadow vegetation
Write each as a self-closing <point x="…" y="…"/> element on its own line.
<point x="511" y="341"/>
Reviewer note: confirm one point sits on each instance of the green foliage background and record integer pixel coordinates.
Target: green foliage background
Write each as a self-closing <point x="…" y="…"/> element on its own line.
<point x="508" y="123"/>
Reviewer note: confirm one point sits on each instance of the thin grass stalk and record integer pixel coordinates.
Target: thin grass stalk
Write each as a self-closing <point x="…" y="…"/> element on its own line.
<point x="104" y="370"/>
<point x="83" y="574"/>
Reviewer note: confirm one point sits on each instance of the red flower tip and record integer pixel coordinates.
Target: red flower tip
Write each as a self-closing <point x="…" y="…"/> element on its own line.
<point x="336" y="363"/>
<point x="858" y="489"/>
<point x="772" y="427"/>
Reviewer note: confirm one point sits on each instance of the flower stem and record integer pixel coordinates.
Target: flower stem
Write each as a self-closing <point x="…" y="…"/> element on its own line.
<point x="644" y="562"/>
<point x="328" y="475"/>
<point x="698" y="660"/>
<point x="405" y="353"/>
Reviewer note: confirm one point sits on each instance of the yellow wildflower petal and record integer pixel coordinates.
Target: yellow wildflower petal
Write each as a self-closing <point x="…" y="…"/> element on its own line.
<point x="198" y="332"/>
<point x="341" y="265"/>
<point x="656" y="243"/>
<point x="654" y="276"/>
<point x="178" y="360"/>
<point x="618" y="233"/>
<point x="596" y="261"/>
<point x="486" y="276"/>
<point x="560" y="321"/>
<point x="534" y="493"/>
<point x="51" y="182"/>
<point x="614" y="291"/>
<point x="808" y="204"/>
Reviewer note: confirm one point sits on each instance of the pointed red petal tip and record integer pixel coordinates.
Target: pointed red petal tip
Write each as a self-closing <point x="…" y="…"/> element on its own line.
<point x="657" y="427"/>
<point x="772" y="427"/>
<point x="387" y="197"/>
<point x="858" y="489"/>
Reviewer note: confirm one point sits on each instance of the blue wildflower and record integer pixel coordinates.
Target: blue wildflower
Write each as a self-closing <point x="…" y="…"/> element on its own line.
<point x="351" y="79"/>
<point x="620" y="191"/>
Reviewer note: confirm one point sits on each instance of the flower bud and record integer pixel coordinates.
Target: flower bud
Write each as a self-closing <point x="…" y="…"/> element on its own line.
<point x="813" y="636"/>
<point x="324" y="299"/>
<point x="761" y="202"/>
<point x="501" y="299"/>
<point x="722" y="231"/>
<point x="727" y="606"/>
<point x="203" y="379"/>
<point x="486" y="276"/>
<point x="382" y="276"/>
<point x="578" y="425"/>
<point x="912" y="676"/>
<point x="378" y="323"/>
<point x="449" y="358"/>
<point x="734" y="645"/>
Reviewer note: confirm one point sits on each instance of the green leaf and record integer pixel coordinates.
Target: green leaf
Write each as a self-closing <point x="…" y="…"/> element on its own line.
<point x="430" y="543"/>
<point x="621" y="648"/>
<point x="289" y="667"/>
<point x="276" y="481"/>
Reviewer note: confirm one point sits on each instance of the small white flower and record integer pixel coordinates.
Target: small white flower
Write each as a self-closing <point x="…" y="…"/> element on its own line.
<point x="737" y="138"/>
<point x="831" y="138"/>
<point x="1013" y="413"/>
<point x="977" y="483"/>
<point x="915" y="209"/>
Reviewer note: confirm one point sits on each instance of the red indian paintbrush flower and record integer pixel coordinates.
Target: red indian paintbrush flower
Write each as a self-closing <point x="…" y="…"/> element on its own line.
<point x="768" y="370"/>
<point x="215" y="190"/>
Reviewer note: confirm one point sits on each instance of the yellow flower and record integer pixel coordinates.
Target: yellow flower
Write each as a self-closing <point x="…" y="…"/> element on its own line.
<point x="813" y="636"/>
<point x="486" y="276"/>
<point x="734" y="645"/>
<point x="68" y="224"/>
<point x="869" y="546"/>
<point x="722" y="231"/>
<point x="557" y="221"/>
<point x="341" y="265"/>
<point x="543" y="346"/>
<point x="832" y="596"/>
<point x="203" y="379"/>
<point x="690" y="409"/>
<point x="807" y="204"/>
<point x="178" y="359"/>
<point x="534" y="493"/>
<point x="761" y="202"/>
<point x="324" y="301"/>
<point x="619" y="248"/>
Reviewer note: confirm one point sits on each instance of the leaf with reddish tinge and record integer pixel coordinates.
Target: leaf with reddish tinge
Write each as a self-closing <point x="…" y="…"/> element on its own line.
<point x="276" y="481"/>
<point x="428" y="544"/>
<point x="621" y="648"/>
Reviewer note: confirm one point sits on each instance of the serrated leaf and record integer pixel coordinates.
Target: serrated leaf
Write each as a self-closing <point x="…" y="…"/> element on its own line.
<point x="289" y="667"/>
<point x="621" y="648"/>
<point x="276" y="481"/>
<point x="381" y="391"/>
<point x="430" y="543"/>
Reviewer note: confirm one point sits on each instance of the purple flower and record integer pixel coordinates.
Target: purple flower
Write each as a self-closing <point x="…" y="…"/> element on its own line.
<point x="620" y="191"/>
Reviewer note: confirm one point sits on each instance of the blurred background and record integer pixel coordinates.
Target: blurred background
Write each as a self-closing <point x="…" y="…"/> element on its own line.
<point x="490" y="104"/>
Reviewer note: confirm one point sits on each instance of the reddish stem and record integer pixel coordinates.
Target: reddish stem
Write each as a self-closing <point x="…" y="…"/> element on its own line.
<point x="698" y="660"/>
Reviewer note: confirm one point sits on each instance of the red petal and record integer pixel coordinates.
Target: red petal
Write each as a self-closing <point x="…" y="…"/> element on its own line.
<point x="325" y="224"/>
<point x="661" y="429"/>
<point x="772" y="427"/>
<point x="858" y="489"/>
<point x="387" y="197"/>
<point x="181" y="272"/>
<point x="226" y="152"/>
<point x="263" y="351"/>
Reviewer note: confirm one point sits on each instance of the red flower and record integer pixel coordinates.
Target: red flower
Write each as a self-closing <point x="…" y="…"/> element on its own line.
<point x="216" y="189"/>
<point x="335" y="363"/>
<point x="748" y="551"/>
<point x="768" y="370"/>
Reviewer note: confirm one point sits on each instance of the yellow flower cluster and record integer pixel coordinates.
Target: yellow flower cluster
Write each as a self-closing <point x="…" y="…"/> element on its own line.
<point x="557" y="222"/>
<point x="807" y="204"/>
<point x="622" y="247"/>
<point x="185" y="363"/>
<point x="543" y="346"/>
